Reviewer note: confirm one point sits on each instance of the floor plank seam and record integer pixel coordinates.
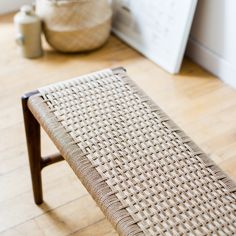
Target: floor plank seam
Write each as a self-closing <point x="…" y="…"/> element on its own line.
<point x="85" y="227"/>
<point x="44" y="213"/>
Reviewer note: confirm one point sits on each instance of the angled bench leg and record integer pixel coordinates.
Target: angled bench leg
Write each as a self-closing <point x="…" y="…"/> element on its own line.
<point x="36" y="161"/>
<point x="32" y="131"/>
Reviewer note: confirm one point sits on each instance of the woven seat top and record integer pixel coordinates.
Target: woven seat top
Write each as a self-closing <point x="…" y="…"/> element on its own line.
<point x="146" y="175"/>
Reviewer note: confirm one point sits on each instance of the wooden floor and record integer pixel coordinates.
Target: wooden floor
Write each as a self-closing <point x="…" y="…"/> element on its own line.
<point x="199" y="103"/>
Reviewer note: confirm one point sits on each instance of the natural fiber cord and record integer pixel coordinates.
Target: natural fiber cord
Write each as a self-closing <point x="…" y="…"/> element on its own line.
<point x="147" y="176"/>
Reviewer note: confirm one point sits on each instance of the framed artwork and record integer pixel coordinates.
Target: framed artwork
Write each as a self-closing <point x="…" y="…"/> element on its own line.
<point x="159" y="29"/>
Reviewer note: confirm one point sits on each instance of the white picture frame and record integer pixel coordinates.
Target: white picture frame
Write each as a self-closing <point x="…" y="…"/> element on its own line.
<point x="159" y="29"/>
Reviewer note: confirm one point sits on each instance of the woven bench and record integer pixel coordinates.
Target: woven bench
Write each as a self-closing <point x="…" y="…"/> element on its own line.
<point x="145" y="174"/>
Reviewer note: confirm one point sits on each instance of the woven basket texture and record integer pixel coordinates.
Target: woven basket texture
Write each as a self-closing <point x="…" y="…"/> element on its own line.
<point x="75" y="25"/>
<point x="147" y="176"/>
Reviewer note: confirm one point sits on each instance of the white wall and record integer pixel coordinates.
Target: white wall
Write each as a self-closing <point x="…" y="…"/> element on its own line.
<point x="12" y="5"/>
<point x="212" y="42"/>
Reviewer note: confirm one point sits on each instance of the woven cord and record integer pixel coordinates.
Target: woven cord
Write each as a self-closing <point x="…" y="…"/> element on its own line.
<point x="161" y="178"/>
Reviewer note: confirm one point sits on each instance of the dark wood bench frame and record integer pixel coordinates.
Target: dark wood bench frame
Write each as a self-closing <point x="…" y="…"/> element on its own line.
<point x="36" y="160"/>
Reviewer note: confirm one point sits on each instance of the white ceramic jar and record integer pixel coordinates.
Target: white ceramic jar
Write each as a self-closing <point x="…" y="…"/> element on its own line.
<point x="28" y="32"/>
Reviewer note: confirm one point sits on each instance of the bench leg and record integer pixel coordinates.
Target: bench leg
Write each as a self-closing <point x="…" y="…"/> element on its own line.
<point x="32" y="131"/>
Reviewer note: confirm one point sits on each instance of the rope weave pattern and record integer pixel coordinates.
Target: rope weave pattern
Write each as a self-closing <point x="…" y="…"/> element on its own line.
<point x="162" y="179"/>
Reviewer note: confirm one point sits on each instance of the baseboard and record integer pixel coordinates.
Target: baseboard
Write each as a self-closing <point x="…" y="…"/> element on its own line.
<point x="211" y="62"/>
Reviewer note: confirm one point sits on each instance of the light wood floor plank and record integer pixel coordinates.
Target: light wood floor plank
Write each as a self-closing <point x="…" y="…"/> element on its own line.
<point x="63" y="220"/>
<point x="102" y="227"/>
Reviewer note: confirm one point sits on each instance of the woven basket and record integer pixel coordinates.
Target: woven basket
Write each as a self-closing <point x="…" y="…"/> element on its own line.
<point x="75" y="25"/>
